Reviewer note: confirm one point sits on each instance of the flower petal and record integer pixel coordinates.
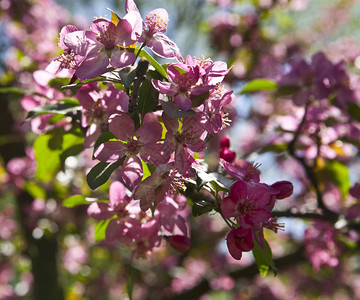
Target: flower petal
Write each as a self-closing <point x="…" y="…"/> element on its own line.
<point x="122" y="126"/>
<point x="117" y="193"/>
<point x="110" y="151"/>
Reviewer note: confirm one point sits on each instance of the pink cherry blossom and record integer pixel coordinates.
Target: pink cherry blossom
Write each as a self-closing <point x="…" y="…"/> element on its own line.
<point x="248" y="204"/>
<point x="98" y="105"/>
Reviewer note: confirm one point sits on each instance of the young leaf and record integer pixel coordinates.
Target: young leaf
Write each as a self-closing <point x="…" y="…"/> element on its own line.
<point x="263" y="258"/>
<point x="127" y="76"/>
<point x="259" y="85"/>
<point x="354" y="111"/>
<point x="100" y="230"/>
<point x="197" y="100"/>
<point x="339" y="174"/>
<point x="57" y="108"/>
<point x="100" y="174"/>
<point x="201" y="207"/>
<point x="148" y="98"/>
<point x="35" y="190"/>
<point x="53" y="148"/>
<point x="76" y="200"/>
<point x="130" y="282"/>
<point x="12" y="90"/>
<point x="58" y="82"/>
<point x="174" y="112"/>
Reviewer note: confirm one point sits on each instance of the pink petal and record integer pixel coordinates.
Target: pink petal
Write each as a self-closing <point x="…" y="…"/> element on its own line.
<point x="92" y="134"/>
<point x="130" y="6"/>
<point x="165" y="88"/>
<point x="110" y="151"/>
<point x="239" y="191"/>
<point x="100" y="211"/>
<point x="81" y="42"/>
<point x="353" y="212"/>
<point x="180" y="243"/>
<point x="183" y="101"/>
<point x="229" y="207"/>
<point x="64" y="31"/>
<point x="122" y="126"/>
<point x="233" y="250"/>
<point x="120" y="58"/>
<point x="285" y="189"/>
<point x="129" y="28"/>
<point x="131" y="171"/>
<point x="102" y="26"/>
<point x="117" y="193"/>
<point x="94" y="64"/>
<point x="172" y="125"/>
<point x="161" y="48"/>
<point x="149" y="133"/>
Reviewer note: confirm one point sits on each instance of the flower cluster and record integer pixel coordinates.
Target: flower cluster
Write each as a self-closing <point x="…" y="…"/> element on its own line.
<point x="248" y="206"/>
<point x="149" y="125"/>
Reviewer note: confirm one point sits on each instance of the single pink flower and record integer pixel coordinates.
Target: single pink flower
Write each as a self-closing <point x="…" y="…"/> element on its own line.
<point x="248" y="204"/>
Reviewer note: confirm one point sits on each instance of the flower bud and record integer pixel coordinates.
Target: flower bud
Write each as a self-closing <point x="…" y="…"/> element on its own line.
<point x="285" y="189"/>
<point x="180" y="243"/>
<point x="227" y="155"/>
<point x="225" y="143"/>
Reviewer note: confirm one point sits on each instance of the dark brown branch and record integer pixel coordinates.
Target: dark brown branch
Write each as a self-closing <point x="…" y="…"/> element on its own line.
<point x="300" y="215"/>
<point x="309" y="170"/>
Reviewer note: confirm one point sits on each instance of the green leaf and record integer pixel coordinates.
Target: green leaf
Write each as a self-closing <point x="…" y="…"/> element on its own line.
<point x="148" y="98"/>
<point x="127" y="76"/>
<point x="259" y="85"/>
<point x="201" y="207"/>
<point x="339" y="174"/>
<point x="263" y="258"/>
<point x="12" y="90"/>
<point x="278" y="148"/>
<point x="100" y="174"/>
<point x="130" y="282"/>
<point x="100" y="230"/>
<point x="57" y="108"/>
<point x="76" y="200"/>
<point x="152" y="61"/>
<point x="75" y="86"/>
<point x="153" y="74"/>
<point x="197" y="100"/>
<point x="58" y="83"/>
<point x="53" y="148"/>
<point x="35" y="190"/>
<point x="354" y="111"/>
<point x="56" y="118"/>
<point x="174" y="112"/>
<point x="146" y="171"/>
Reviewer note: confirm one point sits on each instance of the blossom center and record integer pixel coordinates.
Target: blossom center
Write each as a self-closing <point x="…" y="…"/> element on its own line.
<point x="67" y="61"/>
<point x="107" y="38"/>
<point x="156" y="23"/>
<point x="133" y="146"/>
<point x="247" y="208"/>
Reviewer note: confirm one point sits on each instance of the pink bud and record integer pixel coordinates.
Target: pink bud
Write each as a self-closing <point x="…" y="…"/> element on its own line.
<point x="225" y="143"/>
<point x="180" y="243"/>
<point x="353" y="212"/>
<point x="227" y="155"/>
<point x="355" y="191"/>
<point x="285" y="189"/>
